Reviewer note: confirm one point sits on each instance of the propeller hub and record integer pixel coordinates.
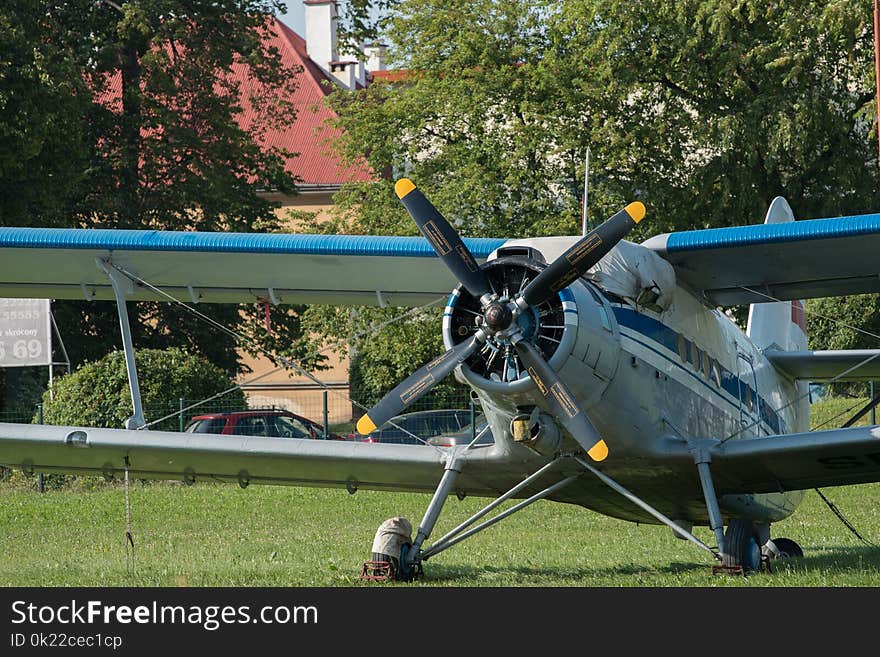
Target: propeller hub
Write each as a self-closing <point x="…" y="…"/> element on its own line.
<point x="498" y="316"/>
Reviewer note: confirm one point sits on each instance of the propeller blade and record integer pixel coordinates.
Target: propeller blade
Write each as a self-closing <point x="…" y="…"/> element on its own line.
<point x="574" y="263"/>
<point x="416" y="385"/>
<point x="562" y="403"/>
<point x="444" y="238"/>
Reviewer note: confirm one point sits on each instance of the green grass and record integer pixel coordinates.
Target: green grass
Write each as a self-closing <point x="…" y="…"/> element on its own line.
<point x="834" y="411"/>
<point x="215" y="535"/>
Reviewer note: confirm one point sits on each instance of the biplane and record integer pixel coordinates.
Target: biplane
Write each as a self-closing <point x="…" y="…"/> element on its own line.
<point x="608" y="371"/>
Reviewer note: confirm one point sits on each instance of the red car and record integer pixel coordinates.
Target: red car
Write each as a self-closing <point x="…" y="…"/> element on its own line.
<point x="267" y="423"/>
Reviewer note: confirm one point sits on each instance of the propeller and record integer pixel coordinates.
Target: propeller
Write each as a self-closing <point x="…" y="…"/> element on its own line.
<point x="499" y="316"/>
<point x="560" y="400"/>
<point x="417" y="384"/>
<point x="444" y="238"/>
<point x="586" y="252"/>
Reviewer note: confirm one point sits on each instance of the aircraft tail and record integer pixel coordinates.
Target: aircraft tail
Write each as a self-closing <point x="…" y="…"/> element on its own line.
<point x="780" y="325"/>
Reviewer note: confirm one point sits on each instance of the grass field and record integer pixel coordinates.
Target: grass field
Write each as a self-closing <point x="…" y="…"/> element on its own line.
<point x="215" y="535"/>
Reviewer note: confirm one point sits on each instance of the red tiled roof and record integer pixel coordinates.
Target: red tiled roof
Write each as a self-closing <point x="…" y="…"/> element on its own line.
<point x="309" y="137"/>
<point x="394" y="75"/>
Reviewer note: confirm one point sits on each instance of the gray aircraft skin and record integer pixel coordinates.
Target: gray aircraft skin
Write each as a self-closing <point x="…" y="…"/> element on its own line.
<point x="626" y="369"/>
<point x="609" y="374"/>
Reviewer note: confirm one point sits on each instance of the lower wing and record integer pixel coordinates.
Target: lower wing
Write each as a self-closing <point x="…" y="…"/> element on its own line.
<point x="246" y="460"/>
<point x="795" y="461"/>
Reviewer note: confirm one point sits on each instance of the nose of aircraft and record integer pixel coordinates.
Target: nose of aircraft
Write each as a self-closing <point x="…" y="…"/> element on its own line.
<point x="494" y="329"/>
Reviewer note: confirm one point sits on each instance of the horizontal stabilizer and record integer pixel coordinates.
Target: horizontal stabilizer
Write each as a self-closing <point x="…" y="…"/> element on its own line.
<point x="843" y="365"/>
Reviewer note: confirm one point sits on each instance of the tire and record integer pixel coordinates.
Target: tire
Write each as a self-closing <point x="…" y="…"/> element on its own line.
<point x="741" y="546"/>
<point x="788" y="549"/>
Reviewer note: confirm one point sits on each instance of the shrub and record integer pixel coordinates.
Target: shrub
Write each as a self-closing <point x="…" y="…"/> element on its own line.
<point x="97" y="394"/>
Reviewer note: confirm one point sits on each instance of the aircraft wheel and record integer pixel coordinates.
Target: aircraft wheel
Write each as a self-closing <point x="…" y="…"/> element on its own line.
<point x="741" y="546"/>
<point x="788" y="549"/>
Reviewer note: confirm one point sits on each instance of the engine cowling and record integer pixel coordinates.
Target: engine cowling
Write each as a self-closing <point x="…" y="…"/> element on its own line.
<point x="574" y="330"/>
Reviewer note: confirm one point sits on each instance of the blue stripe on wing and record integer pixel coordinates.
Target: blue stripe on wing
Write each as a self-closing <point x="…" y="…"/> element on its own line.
<point x="154" y="240"/>
<point x="812" y="229"/>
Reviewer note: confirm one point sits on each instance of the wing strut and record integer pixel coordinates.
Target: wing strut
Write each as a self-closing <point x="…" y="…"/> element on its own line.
<point x="118" y="281"/>
<point x="678" y="529"/>
<point x="458" y="534"/>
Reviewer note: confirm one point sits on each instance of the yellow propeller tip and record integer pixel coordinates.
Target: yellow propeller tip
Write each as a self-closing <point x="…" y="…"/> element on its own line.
<point x="403" y="187"/>
<point x="599" y="451"/>
<point x="636" y="210"/>
<point x="365" y="425"/>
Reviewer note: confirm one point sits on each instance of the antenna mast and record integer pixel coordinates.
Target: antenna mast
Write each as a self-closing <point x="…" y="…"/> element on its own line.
<point x="585" y="223"/>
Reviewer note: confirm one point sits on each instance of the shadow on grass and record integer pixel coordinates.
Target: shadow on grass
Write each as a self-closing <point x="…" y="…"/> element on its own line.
<point x="838" y="558"/>
<point x="441" y="574"/>
<point x="841" y="560"/>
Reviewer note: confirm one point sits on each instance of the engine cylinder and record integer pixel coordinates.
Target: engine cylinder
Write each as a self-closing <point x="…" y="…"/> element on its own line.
<point x="574" y="330"/>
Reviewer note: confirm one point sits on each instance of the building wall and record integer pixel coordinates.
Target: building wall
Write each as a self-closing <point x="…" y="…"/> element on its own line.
<point x="320" y="202"/>
<point x="286" y="389"/>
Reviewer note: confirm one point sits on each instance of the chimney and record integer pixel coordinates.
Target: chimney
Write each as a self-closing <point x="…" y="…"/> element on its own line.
<point x="345" y="73"/>
<point x="375" y="55"/>
<point x="354" y="54"/>
<point x="321" y="44"/>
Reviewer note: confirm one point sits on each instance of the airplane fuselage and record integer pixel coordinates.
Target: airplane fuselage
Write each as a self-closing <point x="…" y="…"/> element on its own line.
<point x="645" y="376"/>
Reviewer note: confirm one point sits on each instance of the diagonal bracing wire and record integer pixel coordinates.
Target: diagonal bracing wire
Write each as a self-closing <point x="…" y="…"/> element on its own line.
<point x="286" y="362"/>
<point x="832" y="380"/>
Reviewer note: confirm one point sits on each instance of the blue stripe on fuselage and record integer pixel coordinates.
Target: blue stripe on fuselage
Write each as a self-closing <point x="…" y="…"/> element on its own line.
<point x="665" y="336"/>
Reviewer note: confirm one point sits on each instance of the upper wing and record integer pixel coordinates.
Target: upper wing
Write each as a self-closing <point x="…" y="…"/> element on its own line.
<point x="776" y="261"/>
<point x="206" y="457"/>
<point x="227" y="267"/>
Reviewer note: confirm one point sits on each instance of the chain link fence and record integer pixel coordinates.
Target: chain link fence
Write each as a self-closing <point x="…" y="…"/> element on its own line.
<point x="335" y="406"/>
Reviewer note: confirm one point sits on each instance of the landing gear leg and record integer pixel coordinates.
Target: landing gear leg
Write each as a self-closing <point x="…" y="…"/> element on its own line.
<point x="433" y="511"/>
<point x="740" y="545"/>
<point x="702" y="458"/>
<point x="395" y="556"/>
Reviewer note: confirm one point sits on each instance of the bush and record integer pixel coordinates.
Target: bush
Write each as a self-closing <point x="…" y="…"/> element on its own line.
<point x="97" y="394"/>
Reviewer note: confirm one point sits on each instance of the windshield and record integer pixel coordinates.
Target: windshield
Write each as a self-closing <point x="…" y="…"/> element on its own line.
<point x="212" y="425"/>
<point x="289" y="427"/>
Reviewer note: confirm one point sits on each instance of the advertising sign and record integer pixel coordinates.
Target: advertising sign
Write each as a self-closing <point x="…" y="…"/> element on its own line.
<point x="25" y="333"/>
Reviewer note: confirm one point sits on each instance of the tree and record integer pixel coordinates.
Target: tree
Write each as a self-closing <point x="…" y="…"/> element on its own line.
<point x="42" y="161"/>
<point x="704" y="109"/>
<point x="469" y="122"/>
<point x="97" y="394"/>
<point x="384" y="346"/>
<point x="851" y="322"/>
<point x="712" y="107"/>
<point x="124" y="116"/>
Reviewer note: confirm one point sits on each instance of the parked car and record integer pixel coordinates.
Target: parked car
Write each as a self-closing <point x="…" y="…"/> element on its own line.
<point x="409" y="428"/>
<point x="466" y="435"/>
<point x="270" y="423"/>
